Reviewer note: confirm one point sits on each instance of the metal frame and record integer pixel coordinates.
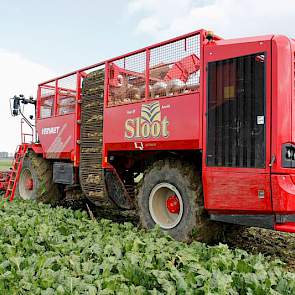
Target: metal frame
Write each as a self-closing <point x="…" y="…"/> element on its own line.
<point x="81" y="73"/>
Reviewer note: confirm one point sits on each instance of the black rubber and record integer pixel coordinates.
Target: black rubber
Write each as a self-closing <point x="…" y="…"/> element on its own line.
<point x="44" y="189"/>
<point x="195" y="224"/>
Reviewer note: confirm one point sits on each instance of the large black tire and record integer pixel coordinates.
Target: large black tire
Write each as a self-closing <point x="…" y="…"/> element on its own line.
<point x="194" y="223"/>
<point x="43" y="188"/>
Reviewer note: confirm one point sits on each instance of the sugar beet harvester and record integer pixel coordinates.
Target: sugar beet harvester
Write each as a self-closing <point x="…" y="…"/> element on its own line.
<point x="191" y="134"/>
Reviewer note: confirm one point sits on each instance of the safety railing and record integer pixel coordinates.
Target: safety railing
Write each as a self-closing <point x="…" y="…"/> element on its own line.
<point x="166" y="69"/>
<point x="57" y="97"/>
<point x="26" y="136"/>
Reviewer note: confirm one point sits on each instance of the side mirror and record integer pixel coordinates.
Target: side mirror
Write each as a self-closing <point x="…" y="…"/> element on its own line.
<point x="15" y="106"/>
<point x="17" y="103"/>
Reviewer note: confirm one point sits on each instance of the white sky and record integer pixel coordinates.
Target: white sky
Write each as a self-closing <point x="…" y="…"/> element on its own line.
<point x="227" y="18"/>
<point x="39" y="42"/>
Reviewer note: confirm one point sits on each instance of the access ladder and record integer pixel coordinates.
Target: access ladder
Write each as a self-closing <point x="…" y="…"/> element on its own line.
<point x="16" y="170"/>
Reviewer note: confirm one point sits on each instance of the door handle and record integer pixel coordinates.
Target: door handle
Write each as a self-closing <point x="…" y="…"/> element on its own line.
<point x="273" y="159"/>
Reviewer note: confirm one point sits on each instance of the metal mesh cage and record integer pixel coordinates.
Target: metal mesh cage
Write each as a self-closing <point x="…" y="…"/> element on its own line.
<point x="47" y="96"/>
<point x="58" y="97"/>
<point x="174" y="67"/>
<point x="66" y="97"/>
<point x="158" y="71"/>
<point x="127" y="78"/>
<point x="167" y="69"/>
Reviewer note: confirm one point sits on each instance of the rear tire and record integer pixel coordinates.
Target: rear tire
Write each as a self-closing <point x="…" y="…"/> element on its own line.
<point x="42" y="188"/>
<point x="181" y="179"/>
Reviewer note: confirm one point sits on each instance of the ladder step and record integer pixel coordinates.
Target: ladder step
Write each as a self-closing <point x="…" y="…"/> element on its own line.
<point x="16" y="165"/>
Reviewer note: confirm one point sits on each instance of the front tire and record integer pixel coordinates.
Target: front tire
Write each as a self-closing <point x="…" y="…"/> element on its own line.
<point x="36" y="180"/>
<point x="171" y="196"/>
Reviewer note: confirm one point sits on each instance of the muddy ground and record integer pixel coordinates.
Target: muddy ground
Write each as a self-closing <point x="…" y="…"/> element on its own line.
<point x="271" y="243"/>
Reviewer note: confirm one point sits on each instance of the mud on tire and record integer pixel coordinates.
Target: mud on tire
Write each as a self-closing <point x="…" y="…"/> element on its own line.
<point x="43" y="188"/>
<point x="194" y="223"/>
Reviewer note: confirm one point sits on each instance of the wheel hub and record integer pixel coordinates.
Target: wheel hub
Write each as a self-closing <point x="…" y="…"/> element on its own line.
<point x="29" y="184"/>
<point x="172" y="204"/>
<point x="166" y="205"/>
<point x="26" y="184"/>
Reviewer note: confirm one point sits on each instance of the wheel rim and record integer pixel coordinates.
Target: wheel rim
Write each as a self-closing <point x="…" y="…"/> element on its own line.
<point x="26" y="185"/>
<point x="166" y="205"/>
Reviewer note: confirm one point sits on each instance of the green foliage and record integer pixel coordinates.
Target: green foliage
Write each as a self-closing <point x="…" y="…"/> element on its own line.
<point x="5" y="164"/>
<point x="60" y="251"/>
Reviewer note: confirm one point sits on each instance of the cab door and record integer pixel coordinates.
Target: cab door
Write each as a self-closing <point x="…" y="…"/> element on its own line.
<point x="236" y="122"/>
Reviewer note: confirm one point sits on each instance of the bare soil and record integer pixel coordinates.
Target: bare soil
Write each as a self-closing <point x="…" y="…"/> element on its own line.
<point x="270" y="243"/>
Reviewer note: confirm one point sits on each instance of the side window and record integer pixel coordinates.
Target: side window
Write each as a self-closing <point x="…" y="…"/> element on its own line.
<point x="236" y="112"/>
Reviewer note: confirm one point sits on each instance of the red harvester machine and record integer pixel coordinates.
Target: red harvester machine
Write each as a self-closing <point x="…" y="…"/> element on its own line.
<point x="190" y="134"/>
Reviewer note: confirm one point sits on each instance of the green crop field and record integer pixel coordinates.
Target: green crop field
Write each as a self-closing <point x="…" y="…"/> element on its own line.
<point x="4" y="164"/>
<point x="46" y="250"/>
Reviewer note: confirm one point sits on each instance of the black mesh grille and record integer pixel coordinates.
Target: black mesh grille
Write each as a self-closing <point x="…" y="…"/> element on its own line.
<point x="235" y="117"/>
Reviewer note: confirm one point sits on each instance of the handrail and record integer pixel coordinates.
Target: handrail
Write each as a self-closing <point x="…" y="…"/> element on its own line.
<point x="201" y="32"/>
<point x="25" y="135"/>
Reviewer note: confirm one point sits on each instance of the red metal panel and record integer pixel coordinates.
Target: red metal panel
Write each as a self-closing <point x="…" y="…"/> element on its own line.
<point x="38" y="103"/>
<point x="77" y="121"/>
<point x="288" y="227"/>
<point x="250" y="40"/>
<point x="283" y="190"/>
<point x="105" y="163"/>
<point x="37" y="148"/>
<point x="147" y="78"/>
<point x="57" y="136"/>
<point x="177" y="121"/>
<point x="152" y="145"/>
<point x="234" y="48"/>
<point x="56" y="98"/>
<point x="238" y="189"/>
<point x="281" y="100"/>
<point x="231" y="191"/>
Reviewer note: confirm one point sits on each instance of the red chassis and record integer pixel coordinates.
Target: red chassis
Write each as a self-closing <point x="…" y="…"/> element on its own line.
<point x="4" y="178"/>
<point x="244" y="178"/>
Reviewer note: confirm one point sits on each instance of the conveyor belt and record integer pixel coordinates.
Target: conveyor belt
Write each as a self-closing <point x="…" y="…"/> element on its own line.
<point x="91" y="172"/>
